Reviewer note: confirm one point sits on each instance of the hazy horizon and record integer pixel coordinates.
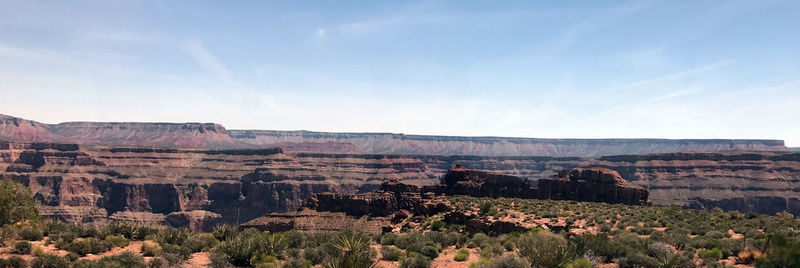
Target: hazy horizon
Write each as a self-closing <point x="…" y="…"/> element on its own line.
<point x="623" y="69"/>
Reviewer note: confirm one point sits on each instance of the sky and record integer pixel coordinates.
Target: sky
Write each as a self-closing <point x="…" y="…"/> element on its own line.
<point x="570" y="69"/>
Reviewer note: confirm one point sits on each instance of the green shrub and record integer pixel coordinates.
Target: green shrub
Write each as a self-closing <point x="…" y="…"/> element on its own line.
<point x="437" y="225"/>
<point x="126" y="259"/>
<point x="415" y="260"/>
<point x="782" y="252"/>
<point x="297" y="263"/>
<point x="239" y="250"/>
<point x="117" y="240"/>
<point x="712" y="254"/>
<point x="544" y="249"/>
<point x="7" y="234"/>
<point x="580" y="263"/>
<point x="353" y="251"/>
<point x="49" y="261"/>
<point x="16" y="203"/>
<point x="461" y="255"/>
<point x="262" y="259"/>
<point x="271" y="244"/>
<point x="200" y="242"/>
<point x="85" y="264"/>
<point x="510" y="261"/>
<point x="158" y="262"/>
<point x="175" y="254"/>
<point x="150" y="248"/>
<point x="175" y="236"/>
<point x="30" y="234"/>
<point x="22" y="248"/>
<point x="488" y="208"/>
<point x="391" y="253"/>
<point x="389" y="239"/>
<point x="16" y="262"/>
<point x="225" y="232"/>
<point x="89" y="245"/>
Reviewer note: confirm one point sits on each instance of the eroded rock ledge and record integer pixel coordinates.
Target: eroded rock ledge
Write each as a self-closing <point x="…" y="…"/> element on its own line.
<point x="580" y="184"/>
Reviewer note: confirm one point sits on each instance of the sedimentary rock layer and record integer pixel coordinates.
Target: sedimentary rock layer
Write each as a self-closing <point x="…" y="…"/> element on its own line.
<point x="158" y="185"/>
<point x="210" y="135"/>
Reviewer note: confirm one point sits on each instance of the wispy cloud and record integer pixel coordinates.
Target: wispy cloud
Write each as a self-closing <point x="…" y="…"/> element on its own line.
<point x="208" y="61"/>
<point x="675" y="76"/>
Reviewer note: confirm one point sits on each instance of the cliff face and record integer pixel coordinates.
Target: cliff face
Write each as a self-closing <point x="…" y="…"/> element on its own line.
<point x="388" y="143"/>
<point x="593" y="185"/>
<point x="199" y="186"/>
<point x="189" y="187"/>
<point x="209" y="135"/>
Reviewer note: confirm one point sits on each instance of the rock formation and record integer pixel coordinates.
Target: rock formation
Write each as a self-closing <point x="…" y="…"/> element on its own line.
<point x="462" y="181"/>
<point x="593" y="185"/>
<point x="91" y="184"/>
<point x="210" y="135"/>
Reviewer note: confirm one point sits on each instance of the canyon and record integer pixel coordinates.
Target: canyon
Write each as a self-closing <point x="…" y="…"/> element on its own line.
<point x="199" y="188"/>
<point x="215" y="136"/>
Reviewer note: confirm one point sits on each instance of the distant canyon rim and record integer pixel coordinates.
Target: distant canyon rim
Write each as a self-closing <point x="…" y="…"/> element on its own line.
<point x="200" y="174"/>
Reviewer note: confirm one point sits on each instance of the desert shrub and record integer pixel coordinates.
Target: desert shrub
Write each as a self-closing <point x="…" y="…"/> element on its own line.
<point x="748" y="257"/>
<point x="125" y="229"/>
<point x="437" y="225"/>
<point x="271" y="244"/>
<point x="415" y="260"/>
<point x="175" y="236"/>
<point x="126" y="259"/>
<point x="157" y="262"/>
<point x="72" y="256"/>
<point x="49" y="261"/>
<point x="510" y="261"/>
<point x="239" y="250"/>
<point x="711" y="254"/>
<point x="22" y="248"/>
<point x="117" y="240"/>
<point x="14" y="262"/>
<point x="491" y="250"/>
<point x="16" y="203"/>
<point x="446" y="239"/>
<point x="391" y="253"/>
<point x="354" y="251"/>
<point x="262" y="259"/>
<point x="29" y="233"/>
<point x="579" y="263"/>
<point x="783" y="252"/>
<point x="297" y="263"/>
<point x="175" y="254"/>
<point x="461" y="255"/>
<point x="225" y="232"/>
<point x="200" y="242"/>
<point x="544" y="249"/>
<point x="7" y="234"/>
<point x="150" y="248"/>
<point x="430" y="251"/>
<point x="482" y="263"/>
<point x="389" y="239"/>
<point x="294" y="239"/>
<point x="89" y="245"/>
<point x="488" y="208"/>
<point x="85" y="264"/>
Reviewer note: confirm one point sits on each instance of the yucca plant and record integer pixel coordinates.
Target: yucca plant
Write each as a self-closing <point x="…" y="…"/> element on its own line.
<point x="354" y="252"/>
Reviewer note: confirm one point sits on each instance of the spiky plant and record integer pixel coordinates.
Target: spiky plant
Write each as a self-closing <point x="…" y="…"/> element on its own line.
<point x="354" y="252"/>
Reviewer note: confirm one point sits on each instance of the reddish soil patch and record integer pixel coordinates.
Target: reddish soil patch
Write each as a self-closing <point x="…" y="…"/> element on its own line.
<point x="199" y="259"/>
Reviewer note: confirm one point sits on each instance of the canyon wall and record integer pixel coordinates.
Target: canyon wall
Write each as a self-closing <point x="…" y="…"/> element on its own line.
<point x="215" y="136"/>
<point x="201" y="187"/>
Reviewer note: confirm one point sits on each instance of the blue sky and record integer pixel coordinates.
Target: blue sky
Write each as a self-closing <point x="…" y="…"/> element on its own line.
<point x="598" y="69"/>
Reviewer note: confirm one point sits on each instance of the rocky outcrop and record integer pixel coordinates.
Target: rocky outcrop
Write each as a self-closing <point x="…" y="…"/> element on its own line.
<point x="314" y="221"/>
<point x="210" y="135"/>
<point x="462" y="181"/>
<point x="90" y="184"/>
<point x="593" y="185"/>
<point x="390" y="199"/>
